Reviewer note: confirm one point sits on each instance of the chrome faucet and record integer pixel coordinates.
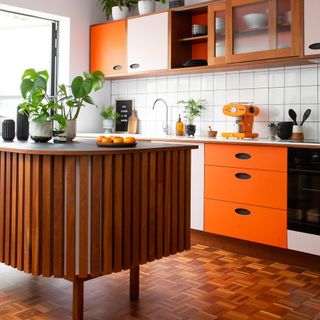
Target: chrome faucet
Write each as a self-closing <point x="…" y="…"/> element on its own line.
<point x="165" y="126"/>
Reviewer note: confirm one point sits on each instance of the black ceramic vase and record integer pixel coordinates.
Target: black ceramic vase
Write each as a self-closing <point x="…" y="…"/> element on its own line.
<point x="190" y="129"/>
<point x="8" y="130"/>
<point x="22" y="126"/>
<point x="284" y="129"/>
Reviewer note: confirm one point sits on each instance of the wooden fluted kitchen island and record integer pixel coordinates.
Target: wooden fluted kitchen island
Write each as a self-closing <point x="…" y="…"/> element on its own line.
<point x="77" y="211"/>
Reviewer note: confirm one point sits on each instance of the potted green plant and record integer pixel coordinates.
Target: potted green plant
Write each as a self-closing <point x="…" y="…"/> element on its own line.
<point x="192" y="109"/>
<point x="272" y="130"/>
<point x="110" y="116"/>
<point x="72" y="98"/>
<point x="38" y="105"/>
<point x="118" y="8"/>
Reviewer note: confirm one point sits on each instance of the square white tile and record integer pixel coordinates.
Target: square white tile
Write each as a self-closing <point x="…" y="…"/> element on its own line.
<point x="246" y="95"/>
<point x="207" y="82"/>
<point x="220" y="97"/>
<point x="261" y="79"/>
<point x="309" y="76"/>
<point x="183" y="84"/>
<point x="292" y="77"/>
<point x="151" y="85"/>
<point x="219" y="81"/>
<point x="172" y="84"/>
<point x="208" y="96"/>
<point x="276" y="95"/>
<point x="246" y="80"/>
<point x="276" y="78"/>
<point x="233" y="80"/>
<point x="276" y="113"/>
<point x="292" y="95"/>
<point x="309" y="94"/>
<point x="195" y="83"/>
<point x="260" y="96"/>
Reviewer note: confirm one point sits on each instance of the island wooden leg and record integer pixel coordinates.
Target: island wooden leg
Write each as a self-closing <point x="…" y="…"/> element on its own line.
<point x="134" y="283"/>
<point x="77" y="301"/>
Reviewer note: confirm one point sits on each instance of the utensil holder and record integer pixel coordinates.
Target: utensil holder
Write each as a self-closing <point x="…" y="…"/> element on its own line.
<point x="297" y="133"/>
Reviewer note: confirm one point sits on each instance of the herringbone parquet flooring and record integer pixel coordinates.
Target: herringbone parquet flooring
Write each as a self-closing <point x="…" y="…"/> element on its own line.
<point x="201" y="284"/>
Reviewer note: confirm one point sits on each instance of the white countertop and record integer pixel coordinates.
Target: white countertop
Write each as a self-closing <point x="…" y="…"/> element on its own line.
<point x="173" y="138"/>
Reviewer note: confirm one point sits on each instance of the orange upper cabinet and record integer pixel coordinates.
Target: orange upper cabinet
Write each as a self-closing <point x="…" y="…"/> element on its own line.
<point x="311" y="27"/>
<point x="108" y="47"/>
<point x="148" y="42"/>
<point x="216" y="33"/>
<point x="262" y="29"/>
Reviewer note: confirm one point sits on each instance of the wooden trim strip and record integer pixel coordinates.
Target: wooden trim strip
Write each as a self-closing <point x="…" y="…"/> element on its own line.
<point x="8" y="210"/>
<point x="167" y="205"/>
<point x="152" y="207"/>
<point x="14" y="186"/>
<point x="174" y="202"/>
<point x="2" y="205"/>
<point x="20" y="221"/>
<point x="187" y="199"/>
<point x="181" y="199"/>
<point x="159" y="216"/>
<point x="135" y="225"/>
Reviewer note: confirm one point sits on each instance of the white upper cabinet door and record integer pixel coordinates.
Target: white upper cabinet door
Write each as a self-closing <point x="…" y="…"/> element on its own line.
<point x="148" y="43"/>
<point x="311" y="26"/>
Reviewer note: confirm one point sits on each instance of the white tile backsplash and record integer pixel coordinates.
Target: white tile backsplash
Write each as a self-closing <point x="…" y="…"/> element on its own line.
<point x="274" y="90"/>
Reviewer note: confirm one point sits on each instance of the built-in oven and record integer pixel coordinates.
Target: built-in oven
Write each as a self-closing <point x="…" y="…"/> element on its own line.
<point x="304" y="190"/>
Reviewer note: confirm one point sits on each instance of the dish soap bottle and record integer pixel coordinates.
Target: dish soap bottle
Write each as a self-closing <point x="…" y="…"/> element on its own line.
<point x="179" y="127"/>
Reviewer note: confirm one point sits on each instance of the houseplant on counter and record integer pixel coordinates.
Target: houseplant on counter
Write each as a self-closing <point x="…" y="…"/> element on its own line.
<point x="73" y="98"/>
<point x="192" y="109"/>
<point x="110" y="116"/>
<point x="118" y="8"/>
<point x="38" y="105"/>
<point x="272" y="126"/>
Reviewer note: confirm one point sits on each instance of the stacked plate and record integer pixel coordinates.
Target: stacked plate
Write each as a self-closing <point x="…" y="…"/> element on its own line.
<point x="199" y="30"/>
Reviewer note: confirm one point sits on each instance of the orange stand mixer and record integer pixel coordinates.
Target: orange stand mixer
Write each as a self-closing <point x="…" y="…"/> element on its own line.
<point x="244" y="114"/>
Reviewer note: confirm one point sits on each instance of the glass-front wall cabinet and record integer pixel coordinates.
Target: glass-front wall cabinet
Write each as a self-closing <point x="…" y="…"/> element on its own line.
<point x="262" y="29"/>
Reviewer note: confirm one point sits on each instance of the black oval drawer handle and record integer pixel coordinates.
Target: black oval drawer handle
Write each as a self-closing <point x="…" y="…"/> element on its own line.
<point x="117" y="67"/>
<point x="134" y="66"/>
<point x="243" y="212"/>
<point x="243" y="176"/>
<point x="315" y="46"/>
<point x="243" y="156"/>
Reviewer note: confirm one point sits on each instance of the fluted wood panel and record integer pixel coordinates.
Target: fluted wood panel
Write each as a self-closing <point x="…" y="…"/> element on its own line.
<point x="68" y="216"/>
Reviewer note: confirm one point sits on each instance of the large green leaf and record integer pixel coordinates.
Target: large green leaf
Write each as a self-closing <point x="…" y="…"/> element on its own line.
<point x="42" y="117"/>
<point x="44" y="74"/>
<point x="40" y="82"/>
<point x="81" y="88"/>
<point x="25" y="87"/>
<point x="29" y="74"/>
<point x="89" y="100"/>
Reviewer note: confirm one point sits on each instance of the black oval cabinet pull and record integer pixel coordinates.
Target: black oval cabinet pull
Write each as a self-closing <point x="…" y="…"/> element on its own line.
<point x="242" y="176"/>
<point x="243" y="156"/>
<point x="315" y="46"/>
<point x="134" y="66"/>
<point x="117" y="67"/>
<point x="243" y="212"/>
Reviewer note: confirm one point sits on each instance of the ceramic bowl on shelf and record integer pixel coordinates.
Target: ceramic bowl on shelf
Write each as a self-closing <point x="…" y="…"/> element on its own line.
<point x="255" y="20"/>
<point x="199" y="30"/>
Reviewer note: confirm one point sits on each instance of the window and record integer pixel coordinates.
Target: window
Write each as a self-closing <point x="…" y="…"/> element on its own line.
<point x="26" y="42"/>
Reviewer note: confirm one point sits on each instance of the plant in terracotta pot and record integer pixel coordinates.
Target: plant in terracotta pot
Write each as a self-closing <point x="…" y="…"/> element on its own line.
<point x="38" y="105"/>
<point x="110" y="116"/>
<point x="118" y="8"/>
<point x="72" y="98"/>
<point x="192" y="110"/>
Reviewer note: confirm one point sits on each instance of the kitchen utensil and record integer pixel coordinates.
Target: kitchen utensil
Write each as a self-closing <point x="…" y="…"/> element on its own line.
<point x="305" y="116"/>
<point x="195" y="63"/>
<point x="211" y="133"/>
<point x="255" y="20"/>
<point x="293" y="116"/>
<point x="133" y="122"/>
<point x="284" y="129"/>
<point x="199" y="30"/>
<point x="297" y="133"/>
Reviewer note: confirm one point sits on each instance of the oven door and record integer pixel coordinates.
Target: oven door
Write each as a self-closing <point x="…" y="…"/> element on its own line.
<point x="304" y="201"/>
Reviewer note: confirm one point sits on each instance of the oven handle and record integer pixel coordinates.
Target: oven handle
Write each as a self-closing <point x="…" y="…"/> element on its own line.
<point x="309" y="189"/>
<point x="297" y="171"/>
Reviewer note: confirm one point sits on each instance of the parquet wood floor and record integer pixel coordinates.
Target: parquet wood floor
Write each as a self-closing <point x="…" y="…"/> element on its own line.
<point x="202" y="284"/>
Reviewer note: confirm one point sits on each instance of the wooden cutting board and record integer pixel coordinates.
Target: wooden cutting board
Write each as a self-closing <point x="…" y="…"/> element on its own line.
<point x="133" y="122"/>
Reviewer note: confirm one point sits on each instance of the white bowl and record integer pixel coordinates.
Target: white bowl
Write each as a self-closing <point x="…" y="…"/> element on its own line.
<point x="255" y="20"/>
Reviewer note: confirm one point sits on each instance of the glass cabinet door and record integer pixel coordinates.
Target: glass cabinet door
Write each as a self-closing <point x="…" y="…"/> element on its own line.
<point x="262" y="29"/>
<point x="216" y="33"/>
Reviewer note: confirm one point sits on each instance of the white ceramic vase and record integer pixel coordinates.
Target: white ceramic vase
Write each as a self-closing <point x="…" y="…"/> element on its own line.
<point x="146" y="6"/>
<point x="108" y="125"/>
<point x="119" y="13"/>
<point x="40" y="131"/>
<point x="71" y="130"/>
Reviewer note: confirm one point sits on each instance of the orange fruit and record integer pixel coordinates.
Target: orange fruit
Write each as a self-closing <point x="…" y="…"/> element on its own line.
<point x="129" y="140"/>
<point x="117" y="140"/>
<point x="99" y="139"/>
<point x="106" y="140"/>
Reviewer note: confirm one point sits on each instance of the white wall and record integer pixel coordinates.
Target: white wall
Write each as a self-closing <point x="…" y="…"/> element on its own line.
<point x="82" y="14"/>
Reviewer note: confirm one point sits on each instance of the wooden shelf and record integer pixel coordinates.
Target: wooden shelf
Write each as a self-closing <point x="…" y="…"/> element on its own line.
<point x="194" y="39"/>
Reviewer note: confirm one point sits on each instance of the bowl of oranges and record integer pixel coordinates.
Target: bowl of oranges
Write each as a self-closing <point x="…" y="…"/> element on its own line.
<point x="116" y="141"/>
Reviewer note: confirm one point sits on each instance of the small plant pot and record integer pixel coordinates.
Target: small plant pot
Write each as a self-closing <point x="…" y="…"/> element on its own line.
<point x="146" y="6"/>
<point x="22" y="126"/>
<point x="8" y="130"/>
<point x="108" y="126"/>
<point x="119" y="13"/>
<point x="190" y="130"/>
<point x="41" y="131"/>
<point x="71" y="130"/>
<point x="176" y="3"/>
<point x="272" y="132"/>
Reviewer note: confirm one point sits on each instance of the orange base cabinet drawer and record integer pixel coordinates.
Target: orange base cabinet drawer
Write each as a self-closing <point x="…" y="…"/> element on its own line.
<point x="263" y="225"/>
<point x="257" y="187"/>
<point x="244" y="156"/>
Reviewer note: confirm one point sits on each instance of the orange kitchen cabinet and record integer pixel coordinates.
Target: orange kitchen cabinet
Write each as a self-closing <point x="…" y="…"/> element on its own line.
<point x="108" y="47"/>
<point x="246" y="222"/>
<point x="244" y="156"/>
<point x="257" y="187"/>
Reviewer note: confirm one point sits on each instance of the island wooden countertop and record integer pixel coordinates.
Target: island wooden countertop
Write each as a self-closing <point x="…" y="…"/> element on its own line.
<point x="84" y="147"/>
